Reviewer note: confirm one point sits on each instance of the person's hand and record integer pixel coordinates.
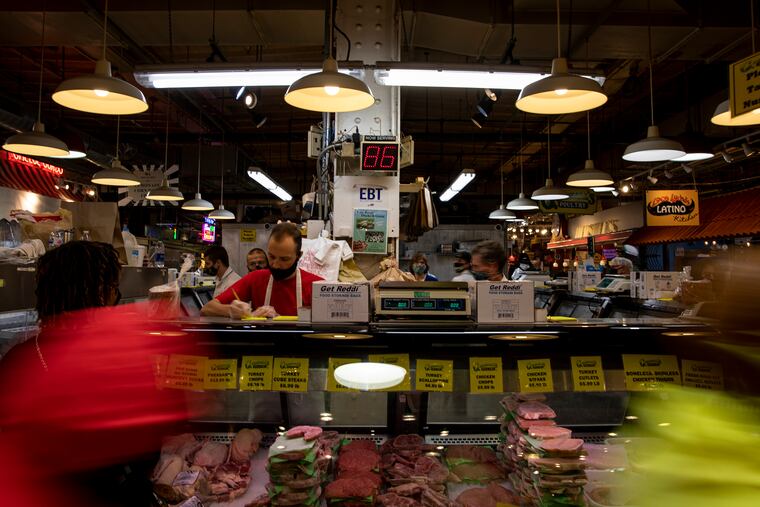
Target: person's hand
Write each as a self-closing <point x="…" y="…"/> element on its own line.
<point x="239" y="309"/>
<point x="265" y="311"/>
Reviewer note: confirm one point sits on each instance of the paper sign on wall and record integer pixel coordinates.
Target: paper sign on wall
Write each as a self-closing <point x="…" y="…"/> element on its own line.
<point x="399" y="360"/>
<point x="247" y="235"/>
<point x="535" y="375"/>
<point x="588" y="374"/>
<point x="672" y="207"/>
<point x="647" y="372"/>
<point x="744" y="90"/>
<point x="332" y="385"/>
<point x="221" y="374"/>
<point x="486" y="375"/>
<point x="185" y="372"/>
<point x="370" y="231"/>
<point x="702" y="375"/>
<point x="290" y="374"/>
<point x="434" y="375"/>
<point x="256" y="373"/>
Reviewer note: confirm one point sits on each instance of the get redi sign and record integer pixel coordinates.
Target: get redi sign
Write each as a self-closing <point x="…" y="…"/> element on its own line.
<point x="672" y="207"/>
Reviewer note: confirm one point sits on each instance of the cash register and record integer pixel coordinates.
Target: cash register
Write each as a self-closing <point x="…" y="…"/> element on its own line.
<point x="431" y="300"/>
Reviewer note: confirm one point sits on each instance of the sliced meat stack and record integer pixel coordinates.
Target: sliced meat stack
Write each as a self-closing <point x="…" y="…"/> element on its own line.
<point x="474" y="464"/>
<point x="357" y="481"/>
<point x="297" y="463"/>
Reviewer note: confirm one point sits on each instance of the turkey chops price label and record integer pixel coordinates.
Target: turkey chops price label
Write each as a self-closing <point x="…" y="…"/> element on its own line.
<point x="647" y="372"/>
<point x="702" y="375"/>
<point x="290" y="374"/>
<point x="256" y="373"/>
<point x="435" y="375"/>
<point x="535" y="376"/>
<point x="399" y="360"/>
<point x="221" y="374"/>
<point x="588" y="374"/>
<point x="332" y="385"/>
<point x="486" y="375"/>
<point x="185" y="372"/>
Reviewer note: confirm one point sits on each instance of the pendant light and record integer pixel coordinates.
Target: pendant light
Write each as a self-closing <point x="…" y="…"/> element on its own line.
<point x="37" y="142"/>
<point x="220" y="213"/>
<point x="589" y="176"/>
<point x="522" y="203"/>
<point x="502" y="213"/>
<point x="117" y="175"/>
<point x="561" y="92"/>
<point x="329" y="91"/>
<point x="198" y="203"/>
<point x="101" y="93"/>
<point x="653" y="148"/>
<point x="165" y="192"/>
<point x="549" y="192"/>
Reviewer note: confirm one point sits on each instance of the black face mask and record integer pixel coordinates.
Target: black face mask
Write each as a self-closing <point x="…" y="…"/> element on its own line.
<point x="281" y="274"/>
<point x="212" y="270"/>
<point x="460" y="267"/>
<point x="480" y="275"/>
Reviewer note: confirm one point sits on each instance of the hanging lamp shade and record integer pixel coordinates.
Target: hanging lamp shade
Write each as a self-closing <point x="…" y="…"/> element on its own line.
<point x="221" y="214"/>
<point x="115" y="176"/>
<point x="165" y="193"/>
<point x="100" y="93"/>
<point x="522" y="203"/>
<point x="197" y="204"/>
<point x="653" y="148"/>
<point x="77" y="149"/>
<point x="502" y="213"/>
<point x="695" y="147"/>
<point x="329" y="91"/>
<point x="561" y="93"/>
<point x="549" y="192"/>
<point x="36" y="143"/>
<point x="722" y="116"/>
<point x="589" y="176"/>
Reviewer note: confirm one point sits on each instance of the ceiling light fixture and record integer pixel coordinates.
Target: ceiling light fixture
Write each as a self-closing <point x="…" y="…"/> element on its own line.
<point x="260" y="177"/>
<point x="502" y="213"/>
<point x="686" y="168"/>
<point x="464" y="178"/>
<point x="220" y="213"/>
<point x="748" y="150"/>
<point x="667" y="174"/>
<point x="250" y="100"/>
<point x="485" y="106"/>
<point x="101" y="93"/>
<point x="368" y="376"/>
<point x="117" y="175"/>
<point x="37" y="142"/>
<point x="522" y="203"/>
<point x="198" y="203"/>
<point x="220" y="75"/>
<point x="589" y="176"/>
<point x="603" y="188"/>
<point x="726" y="157"/>
<point x="693" y="145"/>
<point x="625" y="188"/>
<point x="549" y="192"/>
<point x="165" y="192"/>
<point x="478" y="119"/>
<point x="493" y="95"/>
<point x="652" y="179"/>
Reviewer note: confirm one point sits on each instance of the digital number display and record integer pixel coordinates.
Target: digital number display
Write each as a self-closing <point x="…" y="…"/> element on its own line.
<point x="379" y="156"/>
<point x="423" y="304"/>
<point x="395" y="304"/>
<point x="441" y="305"/>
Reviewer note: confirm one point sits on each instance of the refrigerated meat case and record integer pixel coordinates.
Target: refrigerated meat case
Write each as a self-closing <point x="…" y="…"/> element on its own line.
<point x="586" y="305"/>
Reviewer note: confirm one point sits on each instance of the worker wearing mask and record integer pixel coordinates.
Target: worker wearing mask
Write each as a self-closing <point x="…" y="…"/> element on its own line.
<point x="218" y="266"/>
<point x="523" y="266"/>
<point x="420" y="269"/>
<point x="488" y="260"/>
<point x="256" y="259"/>
<point x="279" y="290"/>
<point x="462" y="265"/>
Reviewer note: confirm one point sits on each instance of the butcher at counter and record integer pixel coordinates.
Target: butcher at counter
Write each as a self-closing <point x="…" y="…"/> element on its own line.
<point x="279" y="290"/>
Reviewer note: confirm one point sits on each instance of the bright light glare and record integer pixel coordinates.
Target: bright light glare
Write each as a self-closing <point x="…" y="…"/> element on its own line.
<point x="462" y="181"/>
<point x="332" y="90"/>
<point x="560" y="91"/>
<point x="218" y="79"/>
<point x="262" y="179"/>
<point x="101" y="93"/>
<point x="282" y="194"/>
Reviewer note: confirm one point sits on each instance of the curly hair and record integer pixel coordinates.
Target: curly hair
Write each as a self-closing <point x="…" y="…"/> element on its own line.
<point x="76" y="275"/>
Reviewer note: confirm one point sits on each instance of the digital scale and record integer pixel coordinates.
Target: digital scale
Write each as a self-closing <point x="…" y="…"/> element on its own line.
<point x="428" y="299"/>
<point x="613" y="284"/>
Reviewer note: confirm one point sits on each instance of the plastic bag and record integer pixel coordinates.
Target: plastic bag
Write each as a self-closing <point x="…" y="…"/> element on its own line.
<point x="164" y="300"/>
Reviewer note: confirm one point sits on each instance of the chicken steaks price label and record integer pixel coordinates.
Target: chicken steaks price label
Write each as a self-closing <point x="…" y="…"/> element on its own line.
<point x="702" y="375"/>
<point x="221" y="374"/>
<point x="486" y="375"/>
<point x="399" y="360"/>
<point x="434" y="375"/>
<point x="185" y="372"/>
<point x="332" y="385"/>
<point x="588" y="374"/>
<point x="647" y="372"/>
<point x="290" y="374"/>
<point x="256" y="373"/>
<point x="535" y="375"/>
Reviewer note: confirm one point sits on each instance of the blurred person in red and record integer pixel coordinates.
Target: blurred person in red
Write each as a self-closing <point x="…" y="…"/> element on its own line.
<point x="79" y="400"/>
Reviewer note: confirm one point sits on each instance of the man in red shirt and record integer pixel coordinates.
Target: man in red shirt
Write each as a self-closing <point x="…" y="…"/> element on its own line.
<point x="279" y="290"/>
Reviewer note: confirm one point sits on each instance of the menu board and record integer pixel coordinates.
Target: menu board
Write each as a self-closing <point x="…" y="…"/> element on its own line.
<point x="435" y="375"/>
<point x="646" y="372"/>
<point x="290" y="374"/>
<point x="256" y="373"/>
<point x="535" y="375"/>
<point x="486" y="375"/>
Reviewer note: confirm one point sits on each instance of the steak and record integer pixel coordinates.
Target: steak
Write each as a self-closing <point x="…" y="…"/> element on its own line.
<point x="358" y="461"/>
<point x="245" y="444"/>
<point x="525" y="424"/>
<point x="349" y="487"/>
<point x="563" y="446"/>
<point x="548" y="432"/>
<point x="431" y="468"/>
<point x="307" y="432"/>
<point x="408" y="489"/>
<point x="535" y="410"/>
<point x="394" y="500"/>
<point x="365" y="445"/>
<point x="408" y="442"/>
<point x="371" y="476"/>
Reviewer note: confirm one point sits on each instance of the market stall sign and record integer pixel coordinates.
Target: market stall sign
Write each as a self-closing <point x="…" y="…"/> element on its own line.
<point x="434" y="375"/>
<point x="672" y="207"/>
<point x="221" y="374"/>
<point x="588" y="374"/>
<point x="256" y="373"/>
<point x="290" y="374"/>
<point x="580" y="202"/>
<point x="370" y="231"/>
<point x="648" y="372"/>
<point x="30" y="163"/>
<point x="535" y="375"/>
<point x="399" y="360"/>
<point x="185" y="372"/>
<point x="702" y="374"/>
<point x="333" y="385"/>
<point x="150" y="177"/>
<point x="486" y="375"/>
<point x="247" y="235"/>
<point x="744" y="90"/>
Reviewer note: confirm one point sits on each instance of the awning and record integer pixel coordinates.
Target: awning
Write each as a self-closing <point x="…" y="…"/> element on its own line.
<point x="25" y="173"/>
<point x="727" y="216"/>
<point x="598" y="239"/>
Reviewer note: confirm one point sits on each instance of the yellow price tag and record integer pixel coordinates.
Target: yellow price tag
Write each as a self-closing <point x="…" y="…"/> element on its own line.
<point x="486" y="375"/>
<point x="221" y="374"/>
<point x="332" y="385"/>
<point x="588" y="374"/>
<point x="247" y="235"/>
<point x="399" y="360"/>
<point x="535" y="375"/>
<point x="290" y="374"/>
<point x="646" y="372"/>
<point x="702" y="374"/>
<point x="434" y="375"/>
<point x="256" y="373"/>
<point x="185" y="372"/>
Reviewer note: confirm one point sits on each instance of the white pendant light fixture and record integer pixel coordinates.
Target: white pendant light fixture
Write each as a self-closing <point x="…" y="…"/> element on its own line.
<point x="522" y="203"/>
<point x="369" y="376"/>
<point x="220" y="213"/>
<point x="561" y="92"/>
<point x="589" y="176"/>
<point x="165" y="192"/>
<point x="502" y="213"/>
<point x="198" y="203"/>
<point x="37" y="142"/>
<point x="329" y="91"/>
<point x="117" y="175"/>
<point x="101" y="93"/>
<point x="549" y="192"/>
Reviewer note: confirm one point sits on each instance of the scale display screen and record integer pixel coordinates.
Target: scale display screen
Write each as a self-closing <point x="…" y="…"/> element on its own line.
<point x="379" y="155"/>
<point x="433" y="304"/>
<point x="606" y="282"/>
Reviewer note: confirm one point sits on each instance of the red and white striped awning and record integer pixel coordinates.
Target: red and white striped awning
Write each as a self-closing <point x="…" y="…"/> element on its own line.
<point x="26" y="173"/>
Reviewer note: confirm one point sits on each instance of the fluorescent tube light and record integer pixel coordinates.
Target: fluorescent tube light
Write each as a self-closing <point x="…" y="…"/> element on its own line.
<point x="464" y="178"/>
<point x="282" y="193"/>
<point x="268" y="183"/>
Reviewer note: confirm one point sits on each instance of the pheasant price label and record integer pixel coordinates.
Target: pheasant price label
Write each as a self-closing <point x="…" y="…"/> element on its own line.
<point x="290" y="374"/>
<point x="399" y="360"/>
<point x="435" y="375"/>
<point x="702" y="375"/>
<point x="588" y="374"/>
<point x="535" y="375"/>
<point x="332" y="385"/>
<point x="256" y="373"/>
<point x="186" y="372"/>
<point x="221" y="374"/>
<point x="486" y="375"/>
<point x="648" y="372"/>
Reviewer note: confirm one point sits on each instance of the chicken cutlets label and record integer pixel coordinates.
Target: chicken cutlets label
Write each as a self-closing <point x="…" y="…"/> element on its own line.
<point x="434" y="375"/>
<point x="702" y="375"/>
<point x="256" y="373"/>
<point x="333" y="385"/>
<point x="290" y="374"/>
<point x="648" y="372"/>
<point x="185" y="372"/>
<point x="535" y="375"/>
<point x="221" y="374"/>
<point x="486" y="375"/>
<point x="399" y="360"/>
<point x="588" y="374"/>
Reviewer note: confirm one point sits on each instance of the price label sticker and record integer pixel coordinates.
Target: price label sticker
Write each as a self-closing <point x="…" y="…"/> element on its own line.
<point x="588" y="374"/>
<point x="647" y="372"/>
<point x="332" y="363"/>
<point x="221" y="374"/>
<point x="486" y="375"/>
<point x="399" y="360"/>
<point x="256" y="373"/>
<point x="185" y="372"/>
<point x="535" y="375"/>
<point x="247" y="235"/>
<point x="702" y="375"/>
<point x="435" y="375"/>
<point x="290" y="374"/>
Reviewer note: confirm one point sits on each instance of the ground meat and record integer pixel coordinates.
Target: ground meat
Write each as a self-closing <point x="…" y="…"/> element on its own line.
<point x="358" y="461"/>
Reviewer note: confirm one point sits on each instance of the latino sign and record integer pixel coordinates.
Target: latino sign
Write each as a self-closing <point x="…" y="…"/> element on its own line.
<point x="672" y="207"/>
<point x="744" y="91"/>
